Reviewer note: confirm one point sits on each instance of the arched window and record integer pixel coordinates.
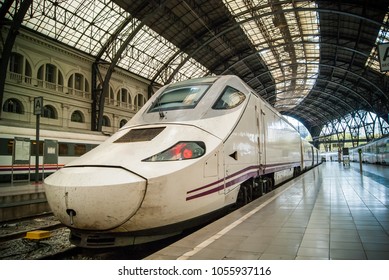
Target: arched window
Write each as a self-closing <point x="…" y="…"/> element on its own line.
<point x="50" y="77"/>
<point x="122" y="123"/>
<point x="109" y="96"/>
<point x="123" y="97"/>
<point x="13" y="105"/>
<point x="16" y="63"/>
<point x="106" y="121"/>
<point x="49" y="112"/>
<point x="139" y="101"/>
<point x="78" y="83"/>
<point x="19" y="67"/>
<point x="77" y="116"/>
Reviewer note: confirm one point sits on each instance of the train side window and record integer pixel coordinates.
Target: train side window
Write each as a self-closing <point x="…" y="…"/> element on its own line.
<point x="6" y="146"/>
<point x="33" y="144"/>
<point x="230" y="98"/>
<point x="63" y="149"/>
<point x="91" y="147"/>
<point x="79" y="149"/>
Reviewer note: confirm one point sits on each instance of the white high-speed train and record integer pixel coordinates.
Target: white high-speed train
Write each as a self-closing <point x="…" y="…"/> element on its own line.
<point x="196" y="148"/>
<point x="376" y="152"/>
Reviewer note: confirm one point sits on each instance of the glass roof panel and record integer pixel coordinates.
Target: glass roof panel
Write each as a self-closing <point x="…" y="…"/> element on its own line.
<point x="82" y="24"/>
<point x="286" y="38"/>
<point x="382" y="38"/>
<point x="88" y="25"/>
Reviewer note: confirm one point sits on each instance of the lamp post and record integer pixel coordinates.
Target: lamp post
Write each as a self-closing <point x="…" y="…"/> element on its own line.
<point x="38" y="109"/>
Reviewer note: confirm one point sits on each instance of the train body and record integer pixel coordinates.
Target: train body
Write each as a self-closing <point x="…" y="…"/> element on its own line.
<point x="194" y="149"/>
<point x="376" y="152"/>
<point x="70" y="146"/>
<point x="330" y="156"/>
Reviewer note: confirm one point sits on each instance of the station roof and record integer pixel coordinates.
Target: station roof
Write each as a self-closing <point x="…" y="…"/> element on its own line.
<point x="315" y="61"/>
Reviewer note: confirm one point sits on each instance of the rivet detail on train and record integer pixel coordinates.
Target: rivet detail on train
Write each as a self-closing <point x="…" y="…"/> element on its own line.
<point x="140" y="134"/>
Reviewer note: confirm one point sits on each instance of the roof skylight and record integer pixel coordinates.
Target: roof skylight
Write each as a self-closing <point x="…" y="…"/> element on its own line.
<point x="286" y="37"/>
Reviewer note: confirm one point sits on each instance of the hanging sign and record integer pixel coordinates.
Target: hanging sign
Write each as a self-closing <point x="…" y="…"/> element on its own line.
<point x="383" y="54"/>
<point x="38" y="105"/>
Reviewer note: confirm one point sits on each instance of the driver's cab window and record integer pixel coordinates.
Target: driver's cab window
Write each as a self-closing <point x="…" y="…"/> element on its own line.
<point x="182" y="97"/>
<point x="229" y="99"/>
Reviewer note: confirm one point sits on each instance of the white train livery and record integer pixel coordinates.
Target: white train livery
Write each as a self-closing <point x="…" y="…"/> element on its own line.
<point x="376" y="152"/>
<point x="195" y="149"/>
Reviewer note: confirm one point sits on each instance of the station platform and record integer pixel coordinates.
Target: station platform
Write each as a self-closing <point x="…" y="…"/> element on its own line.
<point x="330" y="212"/>
<point x="21" y="200"/>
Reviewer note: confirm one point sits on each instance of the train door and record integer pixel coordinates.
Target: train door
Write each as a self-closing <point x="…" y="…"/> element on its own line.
<point x="240" y="148"/>
<point x="313" y="157"/>
<point x="262" y="138"/>
<point x="260" y="115"/>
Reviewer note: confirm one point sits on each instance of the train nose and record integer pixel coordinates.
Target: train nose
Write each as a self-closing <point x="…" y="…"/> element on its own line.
<point x="94" y="198"/>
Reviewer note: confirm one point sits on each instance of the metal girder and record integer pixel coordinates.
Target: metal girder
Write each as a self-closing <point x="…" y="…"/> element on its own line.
<point x="373" y="85"/>
<point x="339" y="85"/>
<point x="4" y="9"/>
<point x="296" y="9"/>
<point x="192" y="43"/>
<point x="313" y="111"/>
<point x="99" y="94"/>
<point x="313" y="118"/>
<point x="347" y="71"/>
<point x="313" y="100"/>
<point x="190" y="55"/>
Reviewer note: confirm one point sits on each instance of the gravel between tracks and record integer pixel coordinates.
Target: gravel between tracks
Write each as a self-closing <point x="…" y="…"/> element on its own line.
<point x="23" y="249"/>
<point x="12" y="227"/>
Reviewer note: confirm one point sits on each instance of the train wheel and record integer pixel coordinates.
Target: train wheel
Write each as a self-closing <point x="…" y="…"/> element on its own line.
<point x="271" y="184"/>
<point x="240" y="200"/>
<point x="296" y="171"/>
<point x="245" y="194"/>
<point x="268" y="186"/>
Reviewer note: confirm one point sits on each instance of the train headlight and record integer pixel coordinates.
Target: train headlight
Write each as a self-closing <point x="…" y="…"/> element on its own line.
<point x="180" y="151"/>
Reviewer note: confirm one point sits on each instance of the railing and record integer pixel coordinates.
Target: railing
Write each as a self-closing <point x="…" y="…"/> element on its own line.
<point x="121" y="104"/>
<point x="29" y="81"/>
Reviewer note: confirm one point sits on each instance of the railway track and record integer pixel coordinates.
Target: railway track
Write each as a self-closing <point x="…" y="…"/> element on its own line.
<point x="14" y="245"/>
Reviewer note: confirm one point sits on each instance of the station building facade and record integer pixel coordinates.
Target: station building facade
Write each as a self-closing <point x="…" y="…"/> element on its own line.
<point x="40" y="66"/>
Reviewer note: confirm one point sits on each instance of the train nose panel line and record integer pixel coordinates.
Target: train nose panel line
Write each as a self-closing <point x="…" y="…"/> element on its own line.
<point x="81" y="197"/>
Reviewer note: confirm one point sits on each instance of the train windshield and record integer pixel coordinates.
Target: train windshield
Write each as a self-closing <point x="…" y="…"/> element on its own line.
<point x="180" y="97"/>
